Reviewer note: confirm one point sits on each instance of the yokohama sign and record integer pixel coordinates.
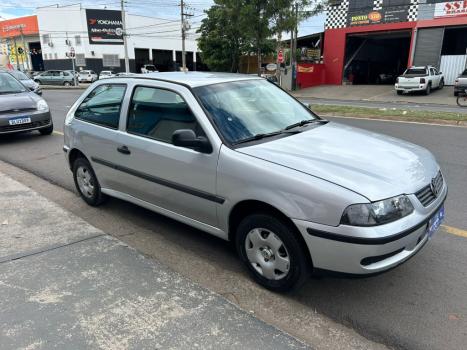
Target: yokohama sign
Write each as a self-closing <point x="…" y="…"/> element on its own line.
<point x="450" y="9"/>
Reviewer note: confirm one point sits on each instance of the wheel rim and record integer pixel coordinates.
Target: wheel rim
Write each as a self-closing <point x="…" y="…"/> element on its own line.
<point x="267" y="254"/>
<point x="85" y="182"/>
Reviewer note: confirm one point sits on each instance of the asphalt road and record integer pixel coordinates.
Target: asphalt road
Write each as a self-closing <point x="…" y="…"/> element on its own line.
<point x="420" y="305"/>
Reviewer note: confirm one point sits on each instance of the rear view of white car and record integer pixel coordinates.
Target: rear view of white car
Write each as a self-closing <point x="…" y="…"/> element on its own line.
<point x="87" y="76"/>
<point x="106" y="74"/>
<point x="419" y="79"/>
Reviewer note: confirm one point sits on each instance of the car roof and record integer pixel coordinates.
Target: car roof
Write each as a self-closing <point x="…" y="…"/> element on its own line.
<point x="194" y="79"/>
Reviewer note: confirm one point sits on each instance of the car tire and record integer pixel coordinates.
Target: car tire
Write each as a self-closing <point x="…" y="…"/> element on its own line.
<point x="428" y="89"/>
<point x="399" y="92"/>
<point x="86" y="183"/>
<point x="48" y="130"/>
<point x="441" y="84"/>
<point x="261" y="239"/>
<point x="66" y="83"/>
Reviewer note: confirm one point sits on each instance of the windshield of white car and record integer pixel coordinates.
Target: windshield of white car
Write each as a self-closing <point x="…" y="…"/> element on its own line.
<point x="415" y="71"/>
<point x="9" y="85"/>
<point x="19" y="75"/>
<point x="250" y="109"/>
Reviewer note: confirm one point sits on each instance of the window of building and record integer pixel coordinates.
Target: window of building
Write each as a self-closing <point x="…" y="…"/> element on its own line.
<point x="360" y="4"/>
<point x="80" y="60"/>
<point x="102" y="106"/>
<point x="158" y="113"/>
<point x="56" y="55"/>
<point x="46" y="39"/>
<point x="110" y="60"/>
<point x="77" y="40"/>
<point x="395" y="3"/>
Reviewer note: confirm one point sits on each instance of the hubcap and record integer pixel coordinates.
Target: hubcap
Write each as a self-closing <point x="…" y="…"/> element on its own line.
<point x="267" y="254"/>
<point x="85" y="182"/>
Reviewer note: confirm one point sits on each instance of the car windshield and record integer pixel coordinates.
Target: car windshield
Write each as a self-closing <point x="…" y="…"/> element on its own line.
<point x="248" y="109"/>
<point x="9" y="85"/>
<point x="415" y="71"/>
<point x="19" y="75"/>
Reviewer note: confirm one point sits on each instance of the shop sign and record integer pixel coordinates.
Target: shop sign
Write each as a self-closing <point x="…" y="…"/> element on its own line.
<point x="451" y="9"/>
<point x="105" y="27"/>
<point x="19" y="26"/>
<point x="386" y="15"/>
<point x="303" y="69"/>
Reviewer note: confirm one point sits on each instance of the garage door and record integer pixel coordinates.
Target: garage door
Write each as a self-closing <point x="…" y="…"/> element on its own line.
<point x="452" y="66"/>
<point x="428" y="46"/>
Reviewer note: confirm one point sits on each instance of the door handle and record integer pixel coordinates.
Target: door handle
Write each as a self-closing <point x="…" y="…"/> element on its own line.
<point x="124" y="150"/>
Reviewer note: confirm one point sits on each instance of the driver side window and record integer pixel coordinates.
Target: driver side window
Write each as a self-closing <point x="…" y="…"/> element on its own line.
<point x="102" y="106"/>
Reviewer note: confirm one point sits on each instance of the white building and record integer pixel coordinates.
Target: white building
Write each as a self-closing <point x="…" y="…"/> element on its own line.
<point x="97" y="40"/>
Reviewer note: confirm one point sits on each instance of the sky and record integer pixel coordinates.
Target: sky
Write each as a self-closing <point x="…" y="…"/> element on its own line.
<point x="155" y="8"/>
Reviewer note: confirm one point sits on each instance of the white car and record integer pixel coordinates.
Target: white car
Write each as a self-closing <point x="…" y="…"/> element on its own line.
<point x="419" y="79"/>
<point x="149" y="68"/>
<point x="106" y="74"/>
<point x="87" y="76"/>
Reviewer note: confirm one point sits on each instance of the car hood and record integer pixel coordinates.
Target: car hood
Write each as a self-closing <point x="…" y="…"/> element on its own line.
<point x="23" y="100"/>
<point x="373" y="165"/>
<point x="31" y="84"/>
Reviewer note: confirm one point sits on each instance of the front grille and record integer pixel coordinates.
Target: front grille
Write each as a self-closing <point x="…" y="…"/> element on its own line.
<point x="19" y="127"/>
<point x="426" y="196"/>
<point x="16" y="111"/>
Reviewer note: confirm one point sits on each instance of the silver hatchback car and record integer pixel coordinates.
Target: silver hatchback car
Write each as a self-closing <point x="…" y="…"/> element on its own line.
<point x="238" y="157"/>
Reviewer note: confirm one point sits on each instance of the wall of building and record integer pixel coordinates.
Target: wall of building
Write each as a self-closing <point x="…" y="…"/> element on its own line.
<point x="70" y="23"/>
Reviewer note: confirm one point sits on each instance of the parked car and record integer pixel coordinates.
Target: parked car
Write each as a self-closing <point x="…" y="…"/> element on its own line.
<point x="106" y="74"/>
<point x="460" y="84"/>
<point x="26" y="81"/>
<point x="148" y="68"/>
<point x="87" y="76"/>
<point x="55" y="77"/>
<point x="21" y="109"/>
<point x="419" y="79"/>
<point x="238" y="157"/>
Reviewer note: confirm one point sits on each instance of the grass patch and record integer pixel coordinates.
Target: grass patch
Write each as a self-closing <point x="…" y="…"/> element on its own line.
<point x="390" y="113"/>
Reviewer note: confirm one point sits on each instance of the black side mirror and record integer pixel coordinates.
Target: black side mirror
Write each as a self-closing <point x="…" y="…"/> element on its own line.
<point x="187" y="138"/>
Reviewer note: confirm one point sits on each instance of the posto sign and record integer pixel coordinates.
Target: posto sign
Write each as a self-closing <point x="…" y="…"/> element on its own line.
<point x="105" y="27"/>
<point x="451" y="9"/>
<point x="373" y="17"/>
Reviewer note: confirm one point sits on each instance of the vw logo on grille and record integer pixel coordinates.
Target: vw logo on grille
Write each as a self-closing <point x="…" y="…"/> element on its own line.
<point x="434" y="188"/>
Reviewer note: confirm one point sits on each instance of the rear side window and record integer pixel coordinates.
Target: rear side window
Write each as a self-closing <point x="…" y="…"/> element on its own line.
<point x="102" y="106"/>
<point x="157" y="113"/>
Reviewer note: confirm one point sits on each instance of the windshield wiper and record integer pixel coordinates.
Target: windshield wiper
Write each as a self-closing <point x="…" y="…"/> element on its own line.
<point x="258" y="137"/>
<point x="305" y="122"/>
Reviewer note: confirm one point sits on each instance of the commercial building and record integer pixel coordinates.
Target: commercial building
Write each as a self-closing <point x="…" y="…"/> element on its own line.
<point x="373" y="41"/>
<point x="95" y="37"/>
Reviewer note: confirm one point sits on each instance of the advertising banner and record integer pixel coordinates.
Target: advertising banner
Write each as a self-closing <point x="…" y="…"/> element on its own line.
<point x="385" y="15"/>
<point x="19" y="26"/>
<point x="451" y="9"/>
<point x="104" y="27"/>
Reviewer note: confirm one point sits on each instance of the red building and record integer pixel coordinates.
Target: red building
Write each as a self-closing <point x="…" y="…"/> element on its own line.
<point x="373" y="41"/>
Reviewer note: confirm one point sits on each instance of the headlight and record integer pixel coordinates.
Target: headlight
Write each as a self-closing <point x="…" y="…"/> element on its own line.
<point x="377" y="213"/>
<point x="42" y="106"/>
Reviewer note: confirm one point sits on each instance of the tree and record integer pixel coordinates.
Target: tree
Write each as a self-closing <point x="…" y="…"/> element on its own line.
<point x="222" y="39"/>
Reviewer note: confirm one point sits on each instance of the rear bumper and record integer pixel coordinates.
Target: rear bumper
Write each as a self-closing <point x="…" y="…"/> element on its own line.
<point x="38" y="121"/>
<point x="421" y="87"/>
<point x="368" y="250"/>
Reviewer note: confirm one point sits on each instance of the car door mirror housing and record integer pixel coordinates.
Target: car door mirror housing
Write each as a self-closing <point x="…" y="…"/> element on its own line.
<point x="187" y="138"/>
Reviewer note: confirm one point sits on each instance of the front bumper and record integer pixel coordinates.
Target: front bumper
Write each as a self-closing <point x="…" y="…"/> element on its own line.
<point x="369" y="250"/>
<point x="38" y="121"/>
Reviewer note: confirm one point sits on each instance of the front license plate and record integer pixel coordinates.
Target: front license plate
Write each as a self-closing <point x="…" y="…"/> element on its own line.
<point x="435" y="222"/>
<point x="17" y="121"/>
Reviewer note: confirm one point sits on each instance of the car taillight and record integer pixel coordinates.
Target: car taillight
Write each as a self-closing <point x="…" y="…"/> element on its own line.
<point x="422" y="81"/>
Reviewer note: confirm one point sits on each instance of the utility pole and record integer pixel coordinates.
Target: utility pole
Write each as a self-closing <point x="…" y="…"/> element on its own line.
<point x="26" y="53"/>
<point x="16" y="53"/>
<point x="125" y="44"/>
<point x="182" y="18"/>
<point x="294" y="50"/>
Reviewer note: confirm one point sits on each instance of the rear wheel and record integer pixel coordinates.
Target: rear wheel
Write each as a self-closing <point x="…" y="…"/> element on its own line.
<point x="462" y="100"/>
<point x="86" y="182"/>
<point x="67" y="83"/>
<point x="271" y="251"/>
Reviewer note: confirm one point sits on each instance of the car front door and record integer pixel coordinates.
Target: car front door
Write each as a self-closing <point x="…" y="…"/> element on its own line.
<point x="176" y="179"/>
<point x="96" y="125"/>
<point x="46" y="77"/>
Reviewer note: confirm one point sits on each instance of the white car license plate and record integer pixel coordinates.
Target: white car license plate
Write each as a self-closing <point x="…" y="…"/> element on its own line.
<point x="17" y="121"/>
<point x="435" y="223"/>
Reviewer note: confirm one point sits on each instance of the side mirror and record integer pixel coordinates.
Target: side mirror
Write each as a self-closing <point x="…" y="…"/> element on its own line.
<point x="187" y="138"/>
<point x="307" y="105"/>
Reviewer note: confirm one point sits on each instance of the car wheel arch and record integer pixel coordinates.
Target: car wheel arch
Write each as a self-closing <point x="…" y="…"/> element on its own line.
<point x="74" y="155"/>
<point x="248" y="207"/>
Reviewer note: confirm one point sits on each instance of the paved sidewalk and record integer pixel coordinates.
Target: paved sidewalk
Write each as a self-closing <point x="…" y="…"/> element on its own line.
<point x="66" y="285"/>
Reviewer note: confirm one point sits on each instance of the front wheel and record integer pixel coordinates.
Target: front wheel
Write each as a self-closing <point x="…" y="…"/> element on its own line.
<point x="86" y="182"/>
<point x="271" y="251"/>
<point x="428" y="89"/>
<point x="67" y="83"/>
<point x="441" y="84"/>
<point x="462" y="100"/>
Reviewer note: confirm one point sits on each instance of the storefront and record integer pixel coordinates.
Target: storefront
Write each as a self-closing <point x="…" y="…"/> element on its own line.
<point x="374" y="41"/>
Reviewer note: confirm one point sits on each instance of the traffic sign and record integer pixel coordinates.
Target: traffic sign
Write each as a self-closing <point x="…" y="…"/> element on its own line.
<point x="280" y="56"/>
